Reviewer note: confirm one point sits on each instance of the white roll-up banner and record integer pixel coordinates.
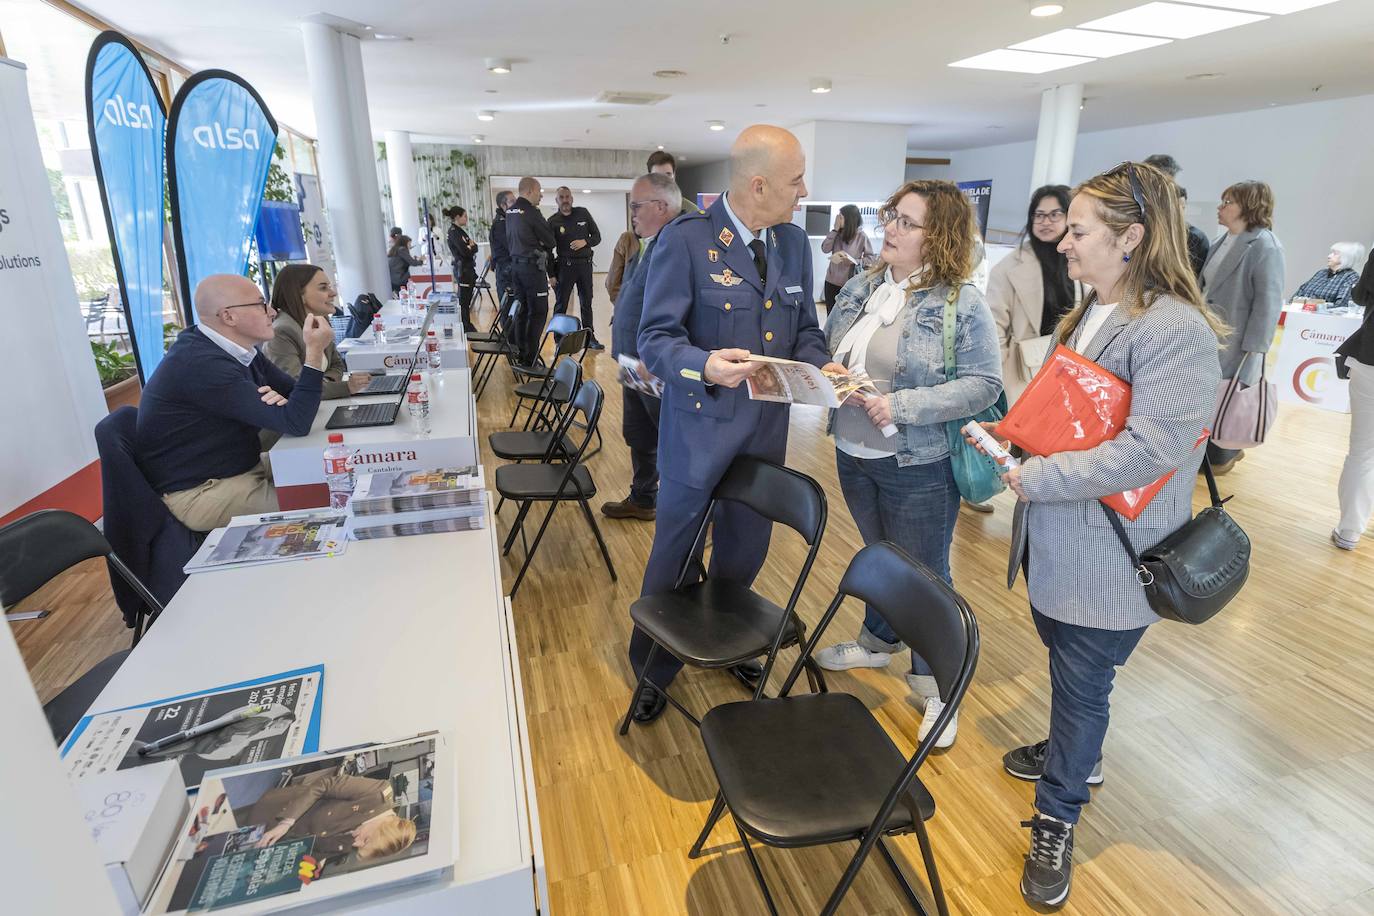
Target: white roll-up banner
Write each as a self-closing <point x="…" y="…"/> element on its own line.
<point x="53" y="400"/>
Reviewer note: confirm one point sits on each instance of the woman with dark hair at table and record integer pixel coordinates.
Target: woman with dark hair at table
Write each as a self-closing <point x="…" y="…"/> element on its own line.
<point x="301" y="290"/>
<point x="847" y="245"/>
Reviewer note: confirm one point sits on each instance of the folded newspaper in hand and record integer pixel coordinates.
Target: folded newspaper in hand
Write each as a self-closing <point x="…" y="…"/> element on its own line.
<point x="788" y="381"/>
<point x="635" y="375"/>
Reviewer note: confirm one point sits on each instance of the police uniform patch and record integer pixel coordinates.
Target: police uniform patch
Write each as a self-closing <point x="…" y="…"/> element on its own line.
<point x="727" y="278"/>
<point x="562" y="230"/>
<point x="726" y="237"/>
<point x="712" y="255"/>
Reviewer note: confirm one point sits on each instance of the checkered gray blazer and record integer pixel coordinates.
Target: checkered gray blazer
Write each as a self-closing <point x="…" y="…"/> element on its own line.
<point x="1079" y="573"/>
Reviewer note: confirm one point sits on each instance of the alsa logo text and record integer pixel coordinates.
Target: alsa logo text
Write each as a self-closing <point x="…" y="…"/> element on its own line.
<point x="215" y="136"/>
<point x="128" y="114"/>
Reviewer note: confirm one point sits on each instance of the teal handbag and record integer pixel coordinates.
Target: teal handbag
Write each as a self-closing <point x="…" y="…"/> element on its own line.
<point x="975" y="473"/>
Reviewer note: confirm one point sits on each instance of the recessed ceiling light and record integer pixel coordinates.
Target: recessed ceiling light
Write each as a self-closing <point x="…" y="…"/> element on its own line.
<point x="586" y="190"/>
<point x="1020" y="61"/>
<point x="387" y="36"/>
<point x="1272" y="7"/>
<point x="820" y="84"/>
<point x="716" y="125"/>
<point x="681" y="158"/>
<point x="497" y="65"/>
<point x="670" y="74"/>
<point x="486" y="115"/>
<point x="1042" y="10"/>
<point x="1089" y="44"/>
<point x="660" y="146"/>
<point x="478" y="138"/>
<point x="1172" y="20"/>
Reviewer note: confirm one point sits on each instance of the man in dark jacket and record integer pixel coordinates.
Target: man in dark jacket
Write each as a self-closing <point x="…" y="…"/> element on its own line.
<point x="531" y="242"/>
<point x="213" y="392"/>
<point x="499" y="256"/>
<point x="576" y="234"/>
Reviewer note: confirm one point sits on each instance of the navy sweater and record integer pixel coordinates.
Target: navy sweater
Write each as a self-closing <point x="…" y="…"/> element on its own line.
<point x="201" y="412"/>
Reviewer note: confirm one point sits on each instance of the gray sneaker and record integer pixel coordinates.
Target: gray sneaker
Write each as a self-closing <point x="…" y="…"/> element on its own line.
<point x="1028" y="763"/>
<point x="868" y="651"/>
<point x="1048" y="872"/>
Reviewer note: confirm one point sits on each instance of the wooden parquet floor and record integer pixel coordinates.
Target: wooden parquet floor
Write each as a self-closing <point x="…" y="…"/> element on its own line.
<point x="1239" y="765"/>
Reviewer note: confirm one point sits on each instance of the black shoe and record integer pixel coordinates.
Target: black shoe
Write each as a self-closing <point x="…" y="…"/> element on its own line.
<point x="1028" y="763"/>
<point x="626" y="509"/>
<point x="748" y="674"/>
<point x="650" y="705"/>
<point x="1048" y="871"/>
<point x="595" y="344"/>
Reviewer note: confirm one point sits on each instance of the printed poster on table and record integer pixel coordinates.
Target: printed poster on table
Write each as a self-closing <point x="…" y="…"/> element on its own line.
<point x="1305" y="371"/>
<point x="288" y="727"/>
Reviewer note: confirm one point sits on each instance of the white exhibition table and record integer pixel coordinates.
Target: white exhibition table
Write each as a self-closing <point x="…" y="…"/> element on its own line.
<point x="298" y="461"/>
<point x="415" y="635"/>
<point x="1305" y="371"/>
<point x="365" y="355"/>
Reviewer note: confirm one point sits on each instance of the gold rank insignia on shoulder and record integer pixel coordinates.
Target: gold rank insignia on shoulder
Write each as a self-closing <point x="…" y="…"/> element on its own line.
<point x="727" y="278"/>
<point x="726" y="237"/>
<point x="712" y="255"/>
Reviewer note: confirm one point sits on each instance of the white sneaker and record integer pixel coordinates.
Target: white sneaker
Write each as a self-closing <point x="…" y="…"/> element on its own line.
<point x="846" y="655"/>
<point x="935" y="706"/>
<point x="1343" y="542"/>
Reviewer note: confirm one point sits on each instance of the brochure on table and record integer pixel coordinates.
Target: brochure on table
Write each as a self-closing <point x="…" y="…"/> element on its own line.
<point x="295" y="832"/>
<point x="288" y="727"/>
<point x="254" y="540"/>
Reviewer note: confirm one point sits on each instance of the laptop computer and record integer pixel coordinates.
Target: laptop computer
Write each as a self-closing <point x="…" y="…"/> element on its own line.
<point x="378" y="413"/>
<point x="391" y="384"/>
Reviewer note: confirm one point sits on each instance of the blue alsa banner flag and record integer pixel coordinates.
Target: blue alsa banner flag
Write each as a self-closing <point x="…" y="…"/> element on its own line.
<point x="220" y="138"/>
<point x="127" y="125"/>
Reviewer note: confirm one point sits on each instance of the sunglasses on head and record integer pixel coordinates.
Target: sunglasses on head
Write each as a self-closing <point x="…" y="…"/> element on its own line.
<point x="1137" y="192"/>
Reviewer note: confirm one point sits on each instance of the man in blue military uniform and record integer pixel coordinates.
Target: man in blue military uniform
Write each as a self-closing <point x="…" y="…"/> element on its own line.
<point x="531" y="242"/>
<point x="723" y="284"/>
<point x="577" y="235"/>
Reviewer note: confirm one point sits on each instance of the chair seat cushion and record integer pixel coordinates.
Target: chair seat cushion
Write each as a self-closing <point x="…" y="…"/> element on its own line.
<point x="711" y="624"/>
<point x="514" y="445"/>
<point x="66" y="709"/>
<point x="536" y="390"/>
<point x="808" y="769"/>
<point x="540" y="481"/>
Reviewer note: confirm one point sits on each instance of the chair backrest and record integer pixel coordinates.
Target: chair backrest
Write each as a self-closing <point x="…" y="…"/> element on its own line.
<point x="567" y="373"/>
<point x="39" y="546"/>
<point x="561" y="324"/>
<point x="778" y="493"/>
<point x="587" y="403"/>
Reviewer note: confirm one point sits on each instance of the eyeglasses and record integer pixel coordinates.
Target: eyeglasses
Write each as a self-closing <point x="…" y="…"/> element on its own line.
<point x="1136" y="192"/>
<point x="262" y="304"/>
<point x="1047" y="216"/>
<point x="904" y="224"/>
<point x="636" y="204"/>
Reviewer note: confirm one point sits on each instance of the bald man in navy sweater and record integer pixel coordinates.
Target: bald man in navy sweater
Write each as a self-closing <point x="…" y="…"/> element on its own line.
<point x="211" y="395"/>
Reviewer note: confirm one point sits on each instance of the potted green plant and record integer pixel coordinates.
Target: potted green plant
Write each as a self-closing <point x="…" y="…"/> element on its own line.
<point x="118" y="376"/>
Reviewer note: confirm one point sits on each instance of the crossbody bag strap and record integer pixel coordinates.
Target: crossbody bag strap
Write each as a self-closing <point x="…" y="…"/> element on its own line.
<point x="949" y="328"/>
<point x="1142" y="574"/>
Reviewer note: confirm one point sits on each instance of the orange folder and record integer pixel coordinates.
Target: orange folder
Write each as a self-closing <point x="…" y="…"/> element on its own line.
<point x="1071" y="405"/>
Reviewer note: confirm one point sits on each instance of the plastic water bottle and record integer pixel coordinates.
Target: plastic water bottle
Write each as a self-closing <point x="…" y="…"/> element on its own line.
<point x="337" y="474"/>
<point x="436" y="359"/>
<point x="377" y="328"/>
<point x="417" y="403"/>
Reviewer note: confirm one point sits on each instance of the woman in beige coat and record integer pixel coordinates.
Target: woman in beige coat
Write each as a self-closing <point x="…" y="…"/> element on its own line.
<point x="1030" y="290"/>
<point x="301" y="290"/>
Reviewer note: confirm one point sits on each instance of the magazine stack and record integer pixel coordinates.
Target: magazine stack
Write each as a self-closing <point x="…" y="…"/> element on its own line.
<point x="401" y="503"/>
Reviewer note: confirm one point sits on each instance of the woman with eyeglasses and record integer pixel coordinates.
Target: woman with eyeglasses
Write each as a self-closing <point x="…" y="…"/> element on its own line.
<point x="1242" y="279"/>
<point x="301" y="290"/>
<point x="847" y="245"/>
<point x="1030" y="289"/>
<point x="889" y="322"/>
<point x="1144" y="321"/>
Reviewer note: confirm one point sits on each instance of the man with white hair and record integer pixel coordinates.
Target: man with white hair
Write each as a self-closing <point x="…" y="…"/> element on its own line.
<point x="722" y="285"/>
<point x="202" y="410"/>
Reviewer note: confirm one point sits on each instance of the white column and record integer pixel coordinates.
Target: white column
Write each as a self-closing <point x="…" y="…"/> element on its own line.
<point x="347" y="159"/>
<point x="400" y="167"/>
<point x="1057" y="135"/>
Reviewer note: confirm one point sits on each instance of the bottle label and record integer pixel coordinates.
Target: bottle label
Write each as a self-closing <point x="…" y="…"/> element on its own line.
<point x="335" y="464"/>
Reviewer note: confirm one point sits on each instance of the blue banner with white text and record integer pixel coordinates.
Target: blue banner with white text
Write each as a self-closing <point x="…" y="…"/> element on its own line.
<point x="220" y="138"/>
<point x="127" y="123"/>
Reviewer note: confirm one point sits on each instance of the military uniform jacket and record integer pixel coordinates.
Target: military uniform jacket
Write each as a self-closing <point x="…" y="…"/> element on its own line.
<point x="527" y="232"/>
<point x="326" y="806"/>
<point x="576" y="225"/>
<point x="703" y="293"/>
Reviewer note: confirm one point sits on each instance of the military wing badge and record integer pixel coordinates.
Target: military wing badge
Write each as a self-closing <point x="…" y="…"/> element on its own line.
<point x="727" y="278"/>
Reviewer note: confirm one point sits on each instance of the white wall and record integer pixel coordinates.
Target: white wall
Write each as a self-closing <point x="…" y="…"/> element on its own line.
<point x="1315" y="156"/>
<point x="706" y="178"/>
<point x="850" y="160"/>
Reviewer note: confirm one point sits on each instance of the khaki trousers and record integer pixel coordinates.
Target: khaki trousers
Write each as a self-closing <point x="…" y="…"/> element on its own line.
<point x="214" y="502"/>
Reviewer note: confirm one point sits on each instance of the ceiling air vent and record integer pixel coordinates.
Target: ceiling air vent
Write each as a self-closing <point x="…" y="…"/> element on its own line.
<point x="614" y="97"/>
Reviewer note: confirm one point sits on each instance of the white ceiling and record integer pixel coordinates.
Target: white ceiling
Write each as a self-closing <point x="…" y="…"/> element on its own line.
<point x="887" y="59"/>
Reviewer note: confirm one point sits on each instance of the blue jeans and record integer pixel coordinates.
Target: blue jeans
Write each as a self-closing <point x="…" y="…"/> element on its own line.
<point x="1083" y="663"/>
<point x="914" y="507"/>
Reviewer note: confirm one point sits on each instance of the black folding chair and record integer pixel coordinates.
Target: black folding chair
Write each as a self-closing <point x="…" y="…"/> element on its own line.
<point x="35" y="549"/>
<point x="817" y="768"/>
<point x="527" y="484"/>
<point x="483" y="288"/>
<point x="488" y="353"/>
<point x="560" y="325"/>
<point x="534" y="392"/>
<point x="535" y="440"/>
<point x="719" y="623"/>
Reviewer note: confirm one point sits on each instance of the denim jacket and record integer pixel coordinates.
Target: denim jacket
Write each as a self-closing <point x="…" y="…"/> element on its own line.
<point x="921" y="398"/>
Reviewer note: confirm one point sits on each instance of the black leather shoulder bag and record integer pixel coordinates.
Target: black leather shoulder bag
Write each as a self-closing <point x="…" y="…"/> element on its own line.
<point x="1195" y="571"/>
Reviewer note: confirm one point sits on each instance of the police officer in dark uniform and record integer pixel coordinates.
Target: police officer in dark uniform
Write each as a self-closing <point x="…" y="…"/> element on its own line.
<point x="577" y="235"/>
<point x="499" y="256"/>
<point x="464" y="252"/>
<point x="723" y="284"/>
<point x="531" y="243"/>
